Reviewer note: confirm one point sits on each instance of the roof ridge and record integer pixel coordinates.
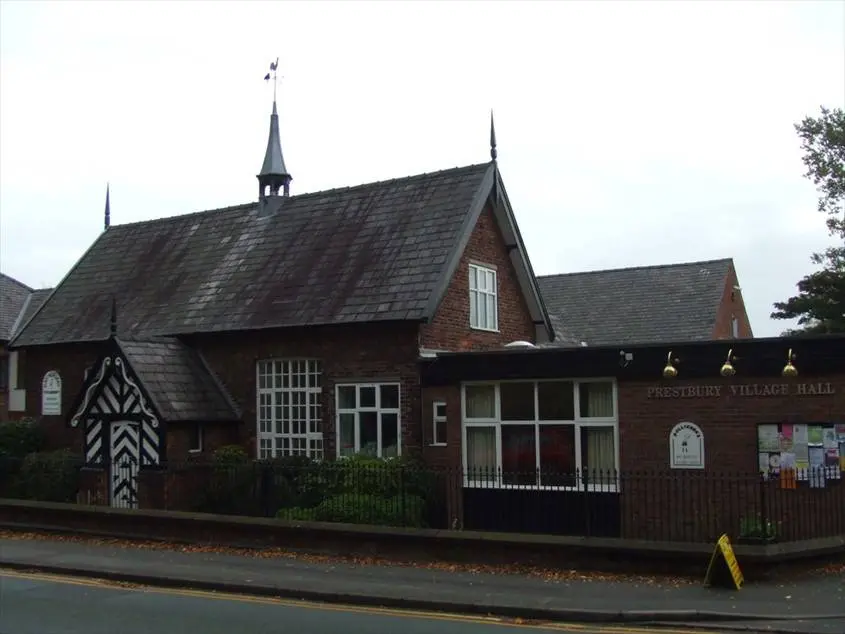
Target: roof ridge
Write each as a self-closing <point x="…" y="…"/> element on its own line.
<point x="17" y="282"/>
<point x="636" y="268"/>
<point x="303" y="196"/>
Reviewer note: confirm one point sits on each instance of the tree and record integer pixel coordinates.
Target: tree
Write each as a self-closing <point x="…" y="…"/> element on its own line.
<point x="820" y="303"/>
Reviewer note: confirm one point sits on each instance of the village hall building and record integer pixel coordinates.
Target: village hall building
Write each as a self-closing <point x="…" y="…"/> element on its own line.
<point x="400" y="317"/>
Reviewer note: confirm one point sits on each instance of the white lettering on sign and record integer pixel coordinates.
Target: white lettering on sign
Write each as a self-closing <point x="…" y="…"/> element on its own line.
<point x="686" y="446"/>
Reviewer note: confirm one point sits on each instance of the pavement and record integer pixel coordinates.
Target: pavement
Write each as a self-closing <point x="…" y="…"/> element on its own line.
<point x="44" y="604"/>
<point x="814" y="605"/>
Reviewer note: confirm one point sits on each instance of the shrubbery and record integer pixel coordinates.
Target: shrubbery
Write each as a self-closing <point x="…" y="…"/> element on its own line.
<point x="360" y="491"/>
<point x="48" y="476"/>
<point x="20" y="437"/>
<point x="357" y="490"/>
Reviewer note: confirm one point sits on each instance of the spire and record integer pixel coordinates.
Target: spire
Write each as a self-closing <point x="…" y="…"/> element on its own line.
<point x="273" y="174"/>
<point x="493" y="152"/>
<point x="107" y="223"/>
<point x="113" y="322"/>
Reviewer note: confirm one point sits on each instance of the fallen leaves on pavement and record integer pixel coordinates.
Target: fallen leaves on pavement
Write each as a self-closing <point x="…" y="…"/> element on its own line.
<point x="551" y="575"/>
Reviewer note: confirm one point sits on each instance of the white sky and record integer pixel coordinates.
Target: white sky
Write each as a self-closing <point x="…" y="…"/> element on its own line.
<point x="629" y="133"/>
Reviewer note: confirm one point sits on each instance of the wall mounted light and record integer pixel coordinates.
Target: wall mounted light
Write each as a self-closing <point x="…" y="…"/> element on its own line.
<point x="727" y="367"/>
<point x="789" y="370"/>
<point x="625" y="358"/>
<point x="670" y="371"/>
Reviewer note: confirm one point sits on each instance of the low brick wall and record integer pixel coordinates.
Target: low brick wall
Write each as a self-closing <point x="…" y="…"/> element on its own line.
<point x="409" y="545"/>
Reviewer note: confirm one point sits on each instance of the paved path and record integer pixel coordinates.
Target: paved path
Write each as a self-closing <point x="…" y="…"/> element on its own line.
<point x="40" y="604"/>
<point x="408" y="587"/>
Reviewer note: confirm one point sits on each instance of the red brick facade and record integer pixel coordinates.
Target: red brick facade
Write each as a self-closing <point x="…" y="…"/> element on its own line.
<point x="449" y="330"/>
<point x="729" y="422"/>
<point x="732" y="307"/>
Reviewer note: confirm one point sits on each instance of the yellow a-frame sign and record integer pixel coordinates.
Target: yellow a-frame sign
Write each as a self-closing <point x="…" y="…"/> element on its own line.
<point x="723" y="569"/>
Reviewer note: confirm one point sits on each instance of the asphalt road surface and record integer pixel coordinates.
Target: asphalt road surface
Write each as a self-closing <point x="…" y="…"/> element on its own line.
<point x="47" y="604"/>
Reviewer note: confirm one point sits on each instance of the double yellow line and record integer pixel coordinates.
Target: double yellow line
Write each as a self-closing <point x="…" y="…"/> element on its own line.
<point x="307" y="605"/>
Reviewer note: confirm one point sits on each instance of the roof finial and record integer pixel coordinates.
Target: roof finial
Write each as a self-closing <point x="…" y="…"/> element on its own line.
<point x="108" y="209"/>
<point x="113" y="324"/>
<point x="273" y="174"/>
<point x="493" y="152"/>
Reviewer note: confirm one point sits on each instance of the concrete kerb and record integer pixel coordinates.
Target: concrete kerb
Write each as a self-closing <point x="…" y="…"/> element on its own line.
<point x="574" y="615"/>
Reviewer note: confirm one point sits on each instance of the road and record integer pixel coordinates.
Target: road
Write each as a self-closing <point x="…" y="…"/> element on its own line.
<point x="47" y="604"/>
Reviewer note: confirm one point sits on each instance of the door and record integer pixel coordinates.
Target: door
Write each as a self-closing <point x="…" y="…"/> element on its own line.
<point x="124" y="455"/>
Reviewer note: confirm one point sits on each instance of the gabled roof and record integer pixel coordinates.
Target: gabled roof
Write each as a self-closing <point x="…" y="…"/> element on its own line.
<point x="18" y="302"/>
<point x="180" y="384"/>
<point x="649" y="304"/>
<point x="376" y="252"/>
<point x="167" y="376"/>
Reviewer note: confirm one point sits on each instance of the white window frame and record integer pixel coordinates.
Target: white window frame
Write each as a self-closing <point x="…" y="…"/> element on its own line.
<point x="578" y="422"/>
<point x="478" y="294"/>
<point x="734" y="327"/>
<point x="200" y="438"/>
<point x="435" y="419"/>
<point x="272" y="441"/>
<point x="378" y="408"/>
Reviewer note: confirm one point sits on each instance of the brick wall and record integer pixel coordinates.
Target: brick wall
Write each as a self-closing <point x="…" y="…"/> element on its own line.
<point x="449" y="330"/>
<point x="70" y="361"/>
<point x="694" y="503"/>
<point x="349" y="353"/>
<point x="732" y="305"/>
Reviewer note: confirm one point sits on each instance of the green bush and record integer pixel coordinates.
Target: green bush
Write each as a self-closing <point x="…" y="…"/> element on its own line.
<point x="407" y="510"/>
<point x="298" y="514"/>
<point x="230" y="483"/>
<point x="21" y="437"/>
<point x="229" y="455"/>
<point x="49" y="476"/>
<point x="359" y="490"/>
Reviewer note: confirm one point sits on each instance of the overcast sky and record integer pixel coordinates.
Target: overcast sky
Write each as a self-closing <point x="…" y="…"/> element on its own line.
<point x="629" y="133"/>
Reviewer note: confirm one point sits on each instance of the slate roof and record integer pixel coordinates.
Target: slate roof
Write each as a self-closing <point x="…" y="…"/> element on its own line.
<point x="18" y="302"/>
<point x="650" y="304"/>
<point x="378" y="251"/>
<point x="179" y="382"/>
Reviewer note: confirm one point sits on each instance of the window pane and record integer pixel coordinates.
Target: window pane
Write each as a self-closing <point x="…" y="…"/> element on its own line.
<point x="517" y="401"/>
<point x="596" y="399"/>
<point x="440" y="432"/>
<point x="390" y="396"/>
<point x="556" y="400"/>
<point x="473" y="278"/>
<point x="347" y="434"/>
<point x="482" y="312"/>
<point x="346" y="397"/>
<point x="440" y="410"/>
<point x="367" y="396"/>
<point x="519" y="457"/>
<point x="480" y="401"/>
<point x="598" y="454"/>
<point x="491" y="312"/>
<point x="473" y="309"/>
<point x="389" y="435"/>
<point x="481" y="453"/>
<point x="369" y="433"/>
<point x="557" y="455"/>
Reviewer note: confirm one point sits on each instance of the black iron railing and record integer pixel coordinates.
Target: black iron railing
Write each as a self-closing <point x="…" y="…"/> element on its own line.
<point x="678" y="506"/>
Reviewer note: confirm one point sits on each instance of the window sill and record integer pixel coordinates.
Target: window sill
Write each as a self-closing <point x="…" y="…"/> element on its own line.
<point x="480" y="329"/>
<point x="194" y="450"/>
<point x="437" y="444"/>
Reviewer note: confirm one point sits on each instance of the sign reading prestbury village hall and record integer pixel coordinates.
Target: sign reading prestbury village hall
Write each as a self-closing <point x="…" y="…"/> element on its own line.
<point x="743" y="389"/>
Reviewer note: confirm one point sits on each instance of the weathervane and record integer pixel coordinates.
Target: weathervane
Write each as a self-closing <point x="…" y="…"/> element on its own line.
<point x="273" y="67"/>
